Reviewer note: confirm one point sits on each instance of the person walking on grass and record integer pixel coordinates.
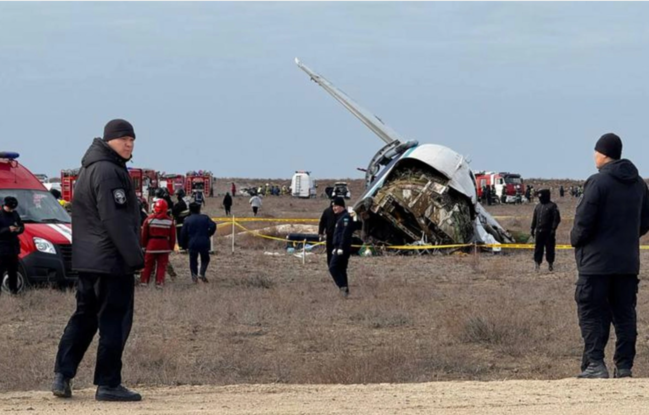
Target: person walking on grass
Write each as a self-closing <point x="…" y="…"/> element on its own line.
<point x="227" y="204"/>
<point x="106" y="253"/>
<point x="611" y="217"/>
<point x="545" y="222"/>
<point x="195" y="237"/>
<point x="342" y="244"/>
<point x="255" y="202"/>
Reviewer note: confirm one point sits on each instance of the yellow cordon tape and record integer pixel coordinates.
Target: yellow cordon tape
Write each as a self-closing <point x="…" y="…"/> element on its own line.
<point x="229" y="220"/>
<point x="396" y="247"/>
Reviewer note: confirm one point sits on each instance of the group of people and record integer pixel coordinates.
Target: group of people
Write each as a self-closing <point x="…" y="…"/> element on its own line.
<point x="111" y="244"/>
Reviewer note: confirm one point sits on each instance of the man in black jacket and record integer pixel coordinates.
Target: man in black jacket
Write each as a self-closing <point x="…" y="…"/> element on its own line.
<point x="10" y="227"/>
<point x="611" y="217"/>
<point x="342" y="245"/>
<point x="195" y="238"/>
<point x="544" y="229"/>
<point x="106" y="252"/>
<point x="326" y="230"/>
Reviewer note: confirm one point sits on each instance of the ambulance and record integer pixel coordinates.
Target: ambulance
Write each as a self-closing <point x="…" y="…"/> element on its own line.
<point x="46" y="244"/>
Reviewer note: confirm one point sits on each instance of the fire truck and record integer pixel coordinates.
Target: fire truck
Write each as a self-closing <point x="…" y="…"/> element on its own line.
<point x="172" y="182"/>
<point x="46" y="244"/>
<point x="509" y="184"/>
<point x="68" y="179"/>
<point x="199" y="181"/>
<point x="144" y="181"/>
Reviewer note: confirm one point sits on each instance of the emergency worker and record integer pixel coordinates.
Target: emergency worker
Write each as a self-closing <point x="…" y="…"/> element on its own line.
<point x="158" y="240"/>
<point x="545" y="222"/>
<point x="106" y="253"/>
<point x="326" y="230"/>
<point x="10" y="227"/>
<point x="610" y="219"/>
<point x="342" y="244"/>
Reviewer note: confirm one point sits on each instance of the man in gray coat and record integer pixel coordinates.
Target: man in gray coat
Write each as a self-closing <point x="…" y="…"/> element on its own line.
<point x="611" y="217"/>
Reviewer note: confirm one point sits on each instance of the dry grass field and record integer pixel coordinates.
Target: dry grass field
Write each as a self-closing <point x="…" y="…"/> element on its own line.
<point x="268" y="319"/>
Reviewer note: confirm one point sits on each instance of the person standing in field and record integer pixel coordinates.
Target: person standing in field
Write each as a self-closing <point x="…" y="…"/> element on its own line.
<point x="195" y="237"/>
<point x="256" y="203"/>
<point x="611" y="217"/>
<point x="545" y="222"/>
<point x="106" y="253"/>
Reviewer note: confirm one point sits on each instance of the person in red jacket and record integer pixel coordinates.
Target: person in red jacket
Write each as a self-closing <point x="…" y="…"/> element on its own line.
<point x="158" y="240"/>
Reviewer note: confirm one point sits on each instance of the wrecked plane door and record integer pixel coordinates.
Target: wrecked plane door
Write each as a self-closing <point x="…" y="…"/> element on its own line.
<point x="416" y="193"/>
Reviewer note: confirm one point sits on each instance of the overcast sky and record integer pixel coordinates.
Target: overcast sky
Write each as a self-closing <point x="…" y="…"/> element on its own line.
<point x="522" y="87"/>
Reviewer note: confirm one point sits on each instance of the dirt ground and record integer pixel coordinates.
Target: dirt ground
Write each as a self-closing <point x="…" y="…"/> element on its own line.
<point x="443" y="334"/>
<point x="560" y="397"/>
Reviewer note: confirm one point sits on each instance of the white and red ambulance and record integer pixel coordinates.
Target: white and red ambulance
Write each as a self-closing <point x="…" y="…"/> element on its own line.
<point x="46" y="244"/>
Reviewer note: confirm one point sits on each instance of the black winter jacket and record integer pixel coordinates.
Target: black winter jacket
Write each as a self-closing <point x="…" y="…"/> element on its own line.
<point x="196" y="232"/>
<point x="343" y="233"/>
<point x="611" y="216"/>
<point x="327" y="222"/>
<point x="546" y="215"/>
<point x="9" y="242"/>
<point x="106" y="215"/>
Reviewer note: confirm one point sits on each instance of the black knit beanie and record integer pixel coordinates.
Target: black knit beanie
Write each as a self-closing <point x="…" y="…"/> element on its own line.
<point x="11" y="202"/>
<point x="610" y="145"/>
<point x="117" y="129"/>
<point x="339" y="201"/>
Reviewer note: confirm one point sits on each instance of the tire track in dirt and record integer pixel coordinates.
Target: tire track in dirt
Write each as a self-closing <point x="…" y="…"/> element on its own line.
<point x="561" y="397"/>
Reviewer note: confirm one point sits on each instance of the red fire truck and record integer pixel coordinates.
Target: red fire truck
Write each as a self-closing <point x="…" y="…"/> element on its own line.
<point x="172" y="182"/>
<point x="46" y="244"/>
<point x="199" y="181"/>
<point x="509" y="184"/>
<point x="68" y="179"/>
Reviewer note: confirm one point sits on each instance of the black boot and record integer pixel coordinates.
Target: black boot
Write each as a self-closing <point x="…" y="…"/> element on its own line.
<point x="551" y="267"/>
<point x="595" y="370"/>
<point x="116" y="394"/>
<point x="537" y="267"/>
<point x="61" y="386"/>
<point x="622" y="373"/>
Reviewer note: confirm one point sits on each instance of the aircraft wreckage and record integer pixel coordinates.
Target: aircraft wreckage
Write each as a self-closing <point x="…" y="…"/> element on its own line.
<point x="416" y="194"/>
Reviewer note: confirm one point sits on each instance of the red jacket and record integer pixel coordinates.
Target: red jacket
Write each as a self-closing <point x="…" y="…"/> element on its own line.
<point x="159" y="234"/>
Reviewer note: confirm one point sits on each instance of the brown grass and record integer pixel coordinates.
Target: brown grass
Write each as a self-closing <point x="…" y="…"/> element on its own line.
<point x="266" y="319"/>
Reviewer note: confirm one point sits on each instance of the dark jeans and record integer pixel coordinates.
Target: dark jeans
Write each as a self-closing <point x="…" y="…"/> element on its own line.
<point x="255" y="209"/>
<point x="602" y="300"/>
<point x="329" y="246"/>
<point x="9" y="264"/>
<point x="338" y="269"/>
<point x="545" y="240"/>
<point x="104" y="302"/>
<point x="193" y="262"/>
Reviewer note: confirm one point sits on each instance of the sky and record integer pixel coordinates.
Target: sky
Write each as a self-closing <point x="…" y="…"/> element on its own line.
<point x="519" y="87"/>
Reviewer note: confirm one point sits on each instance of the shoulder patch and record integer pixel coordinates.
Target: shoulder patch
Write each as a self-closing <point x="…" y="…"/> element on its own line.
<point x="119" y="195"/>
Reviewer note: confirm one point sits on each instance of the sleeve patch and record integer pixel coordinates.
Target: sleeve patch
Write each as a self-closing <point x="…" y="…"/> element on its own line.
<point x="119" y="195"/>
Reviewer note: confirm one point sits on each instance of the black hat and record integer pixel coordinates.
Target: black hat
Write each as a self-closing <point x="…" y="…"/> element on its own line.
<point x="610" y="145"/>
<point x="194" y="207"/>
<point x="11" y="202"/>
<point x="339" y="201"/>
<point x="117" y="129"/>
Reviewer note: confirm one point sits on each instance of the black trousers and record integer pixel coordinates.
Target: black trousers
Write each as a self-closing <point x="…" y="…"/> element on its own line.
<point x="602" y="300"/>
<point x="255" y="209"/>
<point x="338" y="269"/>
<point x="545" y="240"/>
<point x="227" y="210"/>
<point x="329" y="246"/>
<point x="104" y="303"/>
<point x="193" y="262"/>
<point x="9" y="264"/>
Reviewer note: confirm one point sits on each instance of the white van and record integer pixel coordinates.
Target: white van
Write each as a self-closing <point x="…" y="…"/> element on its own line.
<point x="303" y="185"/>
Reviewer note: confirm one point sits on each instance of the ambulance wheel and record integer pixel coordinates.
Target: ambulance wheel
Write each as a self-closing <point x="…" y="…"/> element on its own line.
<point x="21" y="281"/>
